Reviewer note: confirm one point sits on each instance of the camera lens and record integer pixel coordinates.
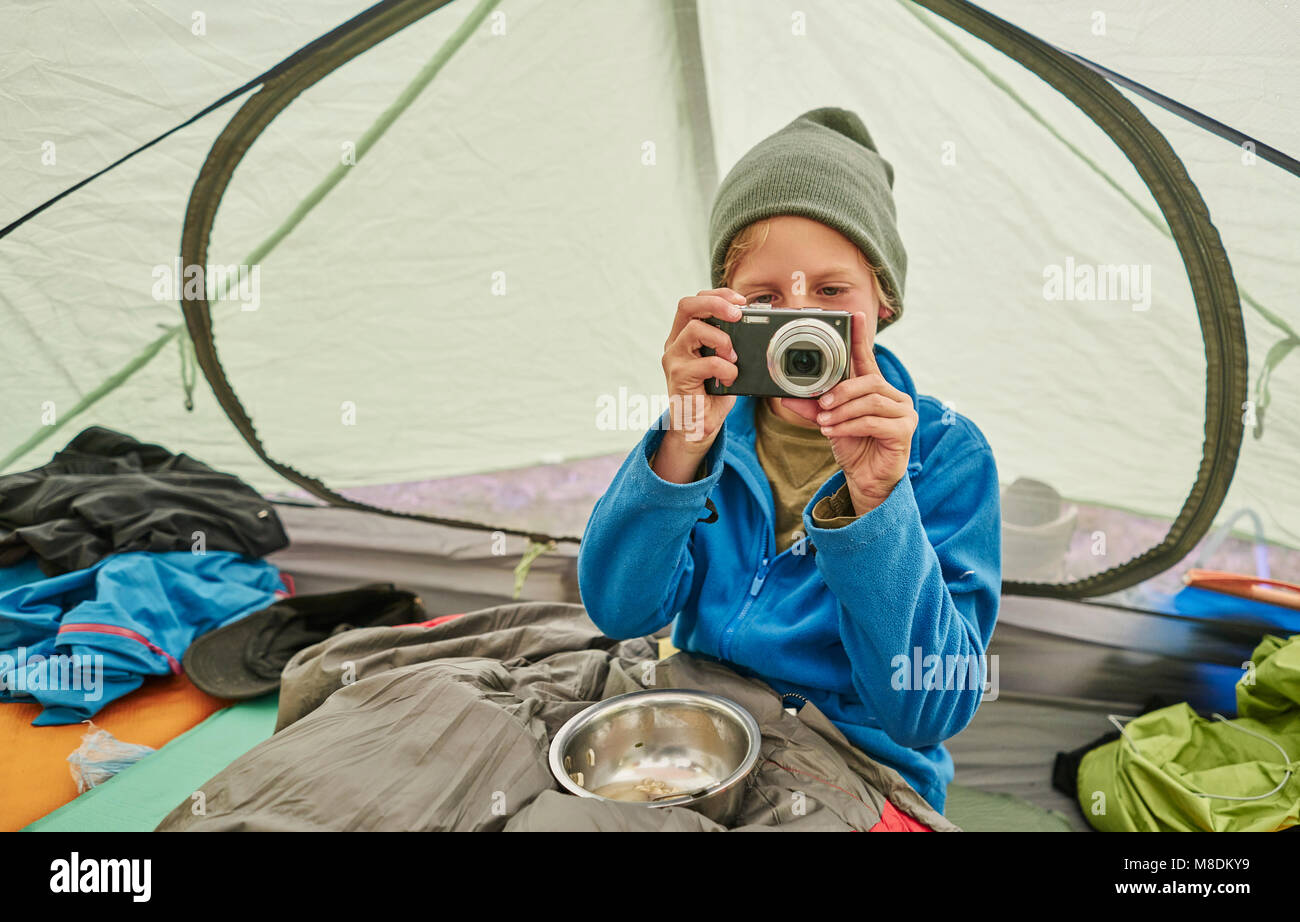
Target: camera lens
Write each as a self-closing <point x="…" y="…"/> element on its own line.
<point x="806" y="356"/>
<point x="803" y="362"/>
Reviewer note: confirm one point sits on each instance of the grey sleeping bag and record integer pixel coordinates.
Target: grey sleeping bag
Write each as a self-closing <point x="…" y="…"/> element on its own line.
<point x="447" y="728"/>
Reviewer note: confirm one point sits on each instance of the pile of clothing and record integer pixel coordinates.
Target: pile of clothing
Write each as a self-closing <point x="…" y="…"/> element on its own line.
<point x="114" y="557"/>
<point x="134" y="590"/>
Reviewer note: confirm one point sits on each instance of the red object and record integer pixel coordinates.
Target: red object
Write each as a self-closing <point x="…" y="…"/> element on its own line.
<point x="432" y="622"/>
<point x="440" y="620"/>
<point x="893" y="819"/>
<point x="123" y="632"/>
<point x="287" y="581"/>
<point x="1258" y="588"/>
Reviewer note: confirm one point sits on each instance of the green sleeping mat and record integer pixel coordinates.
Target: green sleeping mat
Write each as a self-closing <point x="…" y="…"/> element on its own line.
<point x="987" y="811"/>
<point x="137" y="798"/>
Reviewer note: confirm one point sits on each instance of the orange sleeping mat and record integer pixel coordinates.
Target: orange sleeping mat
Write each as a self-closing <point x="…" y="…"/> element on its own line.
<point x="35" y="777"/>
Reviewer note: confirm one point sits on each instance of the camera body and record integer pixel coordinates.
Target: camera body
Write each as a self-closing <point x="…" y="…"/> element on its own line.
<point x="786" y="352"/>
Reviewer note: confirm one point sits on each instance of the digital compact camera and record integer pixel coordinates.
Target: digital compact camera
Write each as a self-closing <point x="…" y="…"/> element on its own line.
<point x="785" y="352"/>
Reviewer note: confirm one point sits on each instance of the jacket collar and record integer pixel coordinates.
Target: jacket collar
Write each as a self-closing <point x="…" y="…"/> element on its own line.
<point x="742" y="434"/>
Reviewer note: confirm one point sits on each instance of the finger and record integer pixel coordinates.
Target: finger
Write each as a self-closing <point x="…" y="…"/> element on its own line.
<point x="864" y="361"/>
<point x="722" y="303"/>
<point x="697" y="334"/>
<point x="692" y="373"/>
<point x="876" y="404"/>
<point x="892" y="432"/>
<point x="802" y="406"/>
<point x="729" y="293"/>
<point x="852" y="388"/>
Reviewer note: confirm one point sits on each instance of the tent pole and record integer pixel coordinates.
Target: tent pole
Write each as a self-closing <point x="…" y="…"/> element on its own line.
<point x="1218" y="304"/>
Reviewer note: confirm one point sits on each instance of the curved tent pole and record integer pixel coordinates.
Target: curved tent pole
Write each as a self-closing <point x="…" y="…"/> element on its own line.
<point x="340" y="46"/>
<point x="1289" y="338"/>
<point x="1208" y="269"/>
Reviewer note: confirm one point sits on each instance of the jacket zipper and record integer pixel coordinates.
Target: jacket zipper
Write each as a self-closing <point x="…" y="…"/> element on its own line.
<point x="120" y="631"/>
<point x="754" y="587"/>
<point x="769" y="548"/>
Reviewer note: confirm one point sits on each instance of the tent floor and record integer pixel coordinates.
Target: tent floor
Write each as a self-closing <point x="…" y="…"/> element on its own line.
<point x="1010" y="747"/>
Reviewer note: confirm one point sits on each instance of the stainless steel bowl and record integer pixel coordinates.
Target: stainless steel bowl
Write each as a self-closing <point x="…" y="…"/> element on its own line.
<point x="671" y="747"/>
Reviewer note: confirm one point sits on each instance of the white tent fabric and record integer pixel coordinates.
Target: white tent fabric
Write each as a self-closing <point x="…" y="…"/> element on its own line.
<point x="384" y="296"/>
<point x="504" y="262"/>
<point x="1237" y="65"/>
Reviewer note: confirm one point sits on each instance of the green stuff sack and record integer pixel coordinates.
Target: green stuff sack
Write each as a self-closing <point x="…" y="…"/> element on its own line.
<point x="1272" y="693"/>
<point x="1175" y="771"/>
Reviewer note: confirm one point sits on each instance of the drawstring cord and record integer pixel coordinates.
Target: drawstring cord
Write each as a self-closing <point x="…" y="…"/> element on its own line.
<point x="1275" y="355"/>
<point x="535" y="549"/>
<point x="189" y="364"/>
<point x="1286" y="760"/>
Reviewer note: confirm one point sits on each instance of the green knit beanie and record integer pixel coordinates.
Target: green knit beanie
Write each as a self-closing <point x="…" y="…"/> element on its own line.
<point x="822" y="166"/>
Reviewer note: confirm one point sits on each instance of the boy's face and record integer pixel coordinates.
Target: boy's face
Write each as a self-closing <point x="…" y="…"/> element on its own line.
<point x="802" y="264"/>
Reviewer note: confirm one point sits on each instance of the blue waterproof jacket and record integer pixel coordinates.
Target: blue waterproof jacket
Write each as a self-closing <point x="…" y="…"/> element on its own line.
<point x="77" y="641"/>
<point x="851" y="619"/>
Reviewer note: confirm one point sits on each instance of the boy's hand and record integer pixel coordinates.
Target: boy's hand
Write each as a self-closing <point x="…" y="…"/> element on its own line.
<point x="869" y="423"/>
<point x="696" y="415"/>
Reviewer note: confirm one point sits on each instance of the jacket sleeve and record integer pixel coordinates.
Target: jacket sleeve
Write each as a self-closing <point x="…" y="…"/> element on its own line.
<point x="635" y="568"/>
<point x="919" y="576"/>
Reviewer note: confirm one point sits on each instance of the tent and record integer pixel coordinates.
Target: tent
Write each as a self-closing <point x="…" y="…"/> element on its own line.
<point x="440" y="244"/>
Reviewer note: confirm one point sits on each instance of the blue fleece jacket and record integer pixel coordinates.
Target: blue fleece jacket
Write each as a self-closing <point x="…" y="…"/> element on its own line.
<point x="853" y="618"/>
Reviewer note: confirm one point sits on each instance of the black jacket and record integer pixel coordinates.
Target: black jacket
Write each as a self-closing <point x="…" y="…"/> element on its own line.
<point x="106" y="493"/>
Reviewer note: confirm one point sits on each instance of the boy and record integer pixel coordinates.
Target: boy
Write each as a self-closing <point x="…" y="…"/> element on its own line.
<point x="824" y="546"/>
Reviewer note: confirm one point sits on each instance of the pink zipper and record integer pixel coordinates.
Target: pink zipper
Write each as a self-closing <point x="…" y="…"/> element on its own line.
<point x="125" y="632"/>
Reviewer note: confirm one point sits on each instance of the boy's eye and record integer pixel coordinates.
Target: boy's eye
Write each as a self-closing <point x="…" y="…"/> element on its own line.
<point x="760" y="299"/>
<point x="831" y="290"/>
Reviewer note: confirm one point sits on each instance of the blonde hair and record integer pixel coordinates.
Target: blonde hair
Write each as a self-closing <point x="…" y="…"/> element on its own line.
<point x="752" y="236"/>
